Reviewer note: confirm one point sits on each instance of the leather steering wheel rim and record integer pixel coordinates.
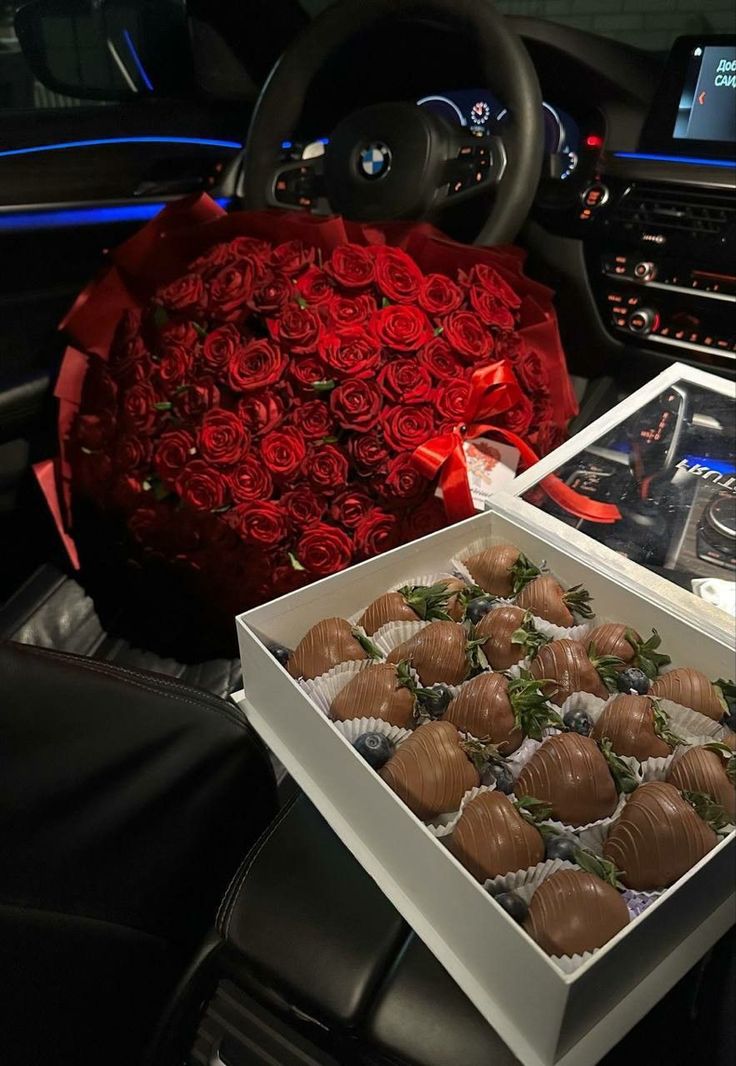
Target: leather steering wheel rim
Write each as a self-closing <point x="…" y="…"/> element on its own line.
<point x="507" y="71"/>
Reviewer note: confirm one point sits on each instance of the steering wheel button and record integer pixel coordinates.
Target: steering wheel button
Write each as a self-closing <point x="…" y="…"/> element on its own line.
<point x="466" y="150"/>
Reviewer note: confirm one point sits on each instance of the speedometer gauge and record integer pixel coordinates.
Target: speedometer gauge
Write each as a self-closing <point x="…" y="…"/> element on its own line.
<point x="480" y="113"/>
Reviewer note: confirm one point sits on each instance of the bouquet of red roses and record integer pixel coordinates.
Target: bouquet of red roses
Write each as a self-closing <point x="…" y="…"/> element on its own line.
<point x="265" y="400"/>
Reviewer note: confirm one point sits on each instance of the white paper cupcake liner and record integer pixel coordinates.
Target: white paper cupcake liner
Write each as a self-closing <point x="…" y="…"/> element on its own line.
<point x="392" y="634"/>
<point x="519" y="758"/>
<point x="444" y="824"/>
<point x="355" y="728"/>
<point x="637" y="902"/>
<point x="690" y="723"/>
<point x="323" y="690"/>
<point x="525" y="882"/>
<point x="421" y="579"/>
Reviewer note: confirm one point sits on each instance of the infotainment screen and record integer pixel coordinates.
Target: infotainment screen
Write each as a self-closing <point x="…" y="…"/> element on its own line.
<point x="693" y="112"/>
<point x="707" y="108"/>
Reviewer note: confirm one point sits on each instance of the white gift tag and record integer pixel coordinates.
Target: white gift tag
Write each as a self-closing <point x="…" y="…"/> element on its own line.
<point x="491" y="466"/>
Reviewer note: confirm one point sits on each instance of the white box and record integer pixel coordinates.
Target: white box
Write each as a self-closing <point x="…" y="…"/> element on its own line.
<point x="543" y="1015"/>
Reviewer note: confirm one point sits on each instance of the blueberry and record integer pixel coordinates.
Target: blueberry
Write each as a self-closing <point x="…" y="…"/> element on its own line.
<point x="729" y="719"/>
<point x="280" y="653"/>
<point x="633" y="678"/>
<point x="578" y="722"/>
<point x="375" y="748"/>
<point x="561" y="847"/>
<point x="479" y="608"/>
<point x="513" y="904"/>
<point x="500" y="775"/>
<point x="434" y="701"/>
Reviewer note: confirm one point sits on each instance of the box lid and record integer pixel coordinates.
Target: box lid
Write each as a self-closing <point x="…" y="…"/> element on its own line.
<point x="666" y="458"/>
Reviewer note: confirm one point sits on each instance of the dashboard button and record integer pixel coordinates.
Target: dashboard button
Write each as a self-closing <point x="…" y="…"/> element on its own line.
<point x="643" y="320"/>
<point x="645" y="271"/>
<point x="595" y="196"/>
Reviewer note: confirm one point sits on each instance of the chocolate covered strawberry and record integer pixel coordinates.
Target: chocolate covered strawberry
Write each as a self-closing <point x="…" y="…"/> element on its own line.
<point x="414" y="603"/>
<point x="636" y="726"/>
<point x="711" y="770"/>
<point x="501" y="570"/>
<point x="615" y="638"/>
<point x="431" y="772"/>
<point x="492" y="837"/>
<point x="329" y="642"/>
<point x="690" y="688"/>
<point x="570" y="773"/>
<point x="500" y="711"/>
<point x="376" y="692"/>
<point x="546" y="598"/>
<point x="441" y="652"/>
<point x="657" y="838"/>
<point x="568" y="668"/>
<point x="574" y="911"/>
<point x="509" y="636"/>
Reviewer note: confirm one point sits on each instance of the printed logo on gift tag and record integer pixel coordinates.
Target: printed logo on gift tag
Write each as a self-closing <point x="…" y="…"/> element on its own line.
<point x="491" y="466"/>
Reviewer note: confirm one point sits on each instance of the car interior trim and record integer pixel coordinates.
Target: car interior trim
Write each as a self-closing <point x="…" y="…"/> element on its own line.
<point x="202" y="142"/>
<point x="690" y="161"/>
<point x="85" y="216"/>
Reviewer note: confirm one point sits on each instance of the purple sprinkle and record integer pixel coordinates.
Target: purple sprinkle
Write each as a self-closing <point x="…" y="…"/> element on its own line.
<point x="637" y="902"/>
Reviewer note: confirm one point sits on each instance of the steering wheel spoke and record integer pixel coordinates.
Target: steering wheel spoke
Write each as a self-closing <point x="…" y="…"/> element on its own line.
<point x="474" y="165"/>
<point x="299" y="185"/>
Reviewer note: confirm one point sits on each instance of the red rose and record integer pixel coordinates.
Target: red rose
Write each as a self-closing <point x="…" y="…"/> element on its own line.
<point x="271" y="295"/>
<point x="196" y="398"/>
<point x="173" y="367"/>
<point x="176" y="333"/>
<point x="402" y="327"/>
<point x="222" y="437"/>
<point x="518" y="418"/>
<point x="174" y="450"/>
<point x="250" y="481"/>
<point x="263" y="524"/>
<point x="249" y="247"/>
<point x="297" y="327"/>
<point x="313" y="419"/>
<point x="404" y="381"/>
<point x="303" y="506"/>
<point x="403" y="481"/>
<point x="219" y="347"/>
<point x="212" y="261"/>
<point x="260" y="411"/>
<point x="351" y="266"/>
<point x="344" y="311"/>
<point x="440" y="360"/>
<point x="139" y="406"/>
<point x="490" y="309"/>
<point x="532" y="372"/>
<point x="324" y="549"/>
<point x="377" y="532"/>
<point x="327" y="468"/>
<point x="356" y="405"/>
<point x="405" y="428"/>
<point x="438" y="295"/>
<point x="508" y="346"/>
<point x="397" y="275"/>
<point x="132" y="452"/>
<point x="451" y="400"/>
<point x="126" y="359"/>
<point x="349" y="506"/>
<point x="291" y="257"/>
<point x="255" y="365"/>
<point x="369" y="453"/>
<point x="467" y="335"/>
<point x="201" y="487"/>
<point x="229" y="290"/>
<point x="184" y="294"/>
<point x="283" y="451"/>
<point x="315" y="287"/>
<point x="350" y="352"/>
<point x="306" y="370"/>
<point x="488" y="278"/>
<point x="94" y="431"/>
<point x="428" y="517"/>
<point x="543" y="410"/>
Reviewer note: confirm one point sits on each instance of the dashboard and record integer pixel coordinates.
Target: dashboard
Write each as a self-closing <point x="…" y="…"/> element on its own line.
<point x="483" y="113"/>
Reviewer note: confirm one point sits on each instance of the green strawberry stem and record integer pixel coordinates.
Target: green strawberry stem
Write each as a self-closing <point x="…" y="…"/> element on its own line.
<point x="528" y="636"/>
<point x="706" y="808"/>
<point x="603" y="868"/>
<point x="522" y="572"/>
<point x="477" y="661"/>
<point x="607" y="666"/>
<point x="532" y="712"/>
<point x="728" y="694"/>
<point x="621" y="772"/>
<point x="726" y="753"/>
<point x="481" y="754"/>
<point x="662" y="726"/>
<point x="534" y="810"/>
<point x="429" y="602"/>
<point x="578" y="600"/>
<point x="366" y="643"/>
<point x="646" y="656"/>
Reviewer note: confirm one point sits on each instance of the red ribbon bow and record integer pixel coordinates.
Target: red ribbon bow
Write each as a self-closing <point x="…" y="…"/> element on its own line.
<point x="494" y="389"/>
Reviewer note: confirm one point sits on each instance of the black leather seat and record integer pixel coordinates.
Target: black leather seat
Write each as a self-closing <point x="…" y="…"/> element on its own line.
<point x="127" y="801"/>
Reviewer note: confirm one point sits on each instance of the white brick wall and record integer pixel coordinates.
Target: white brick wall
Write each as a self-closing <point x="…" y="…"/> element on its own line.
<point x="646" y="23"/>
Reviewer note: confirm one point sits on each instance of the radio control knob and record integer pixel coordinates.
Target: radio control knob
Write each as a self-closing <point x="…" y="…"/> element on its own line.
<point x="643" y="320"/>
<point x="645" y="271"/>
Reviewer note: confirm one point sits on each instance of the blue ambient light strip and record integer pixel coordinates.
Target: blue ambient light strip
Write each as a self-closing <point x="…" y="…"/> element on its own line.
<point x="57" y="218"/>
<point x="137" y="60"/>
<point x="685" y="159"/>
<point x="204" y="142"/>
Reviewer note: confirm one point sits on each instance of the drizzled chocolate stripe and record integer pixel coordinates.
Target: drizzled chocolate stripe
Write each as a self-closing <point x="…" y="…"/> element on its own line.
<point x="326" y="644"/>
<point x="610" y="639"/>
<point x="491" y="569"/>
<point x="543" y="597"/>
<point x="628" y="722"/>
<point x="374" y="693"/>
<point x="566" y="662"/>
<point x="430" y="772"/>
<point x="700" y="770"/>
<point x="689" y="688"/>
<point x="492" y="838"/>
<point x="573" y="911"/>
<point x="499" y="627"/>
<point x="482" y="707"/>
<point x="391" y="607"/>
<point x="569" y="772"/>
<point x="436" y="652"/>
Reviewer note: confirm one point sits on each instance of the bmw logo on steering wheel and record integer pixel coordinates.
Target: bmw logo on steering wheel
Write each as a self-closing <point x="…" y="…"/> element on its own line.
<point x="375" y="160"/>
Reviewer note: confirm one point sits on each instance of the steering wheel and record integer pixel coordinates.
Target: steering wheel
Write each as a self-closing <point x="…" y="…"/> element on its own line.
<point x="398" y="160"/>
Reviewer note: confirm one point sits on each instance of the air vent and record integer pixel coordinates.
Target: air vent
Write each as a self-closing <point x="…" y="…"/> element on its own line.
<point x="666" y="209"/>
